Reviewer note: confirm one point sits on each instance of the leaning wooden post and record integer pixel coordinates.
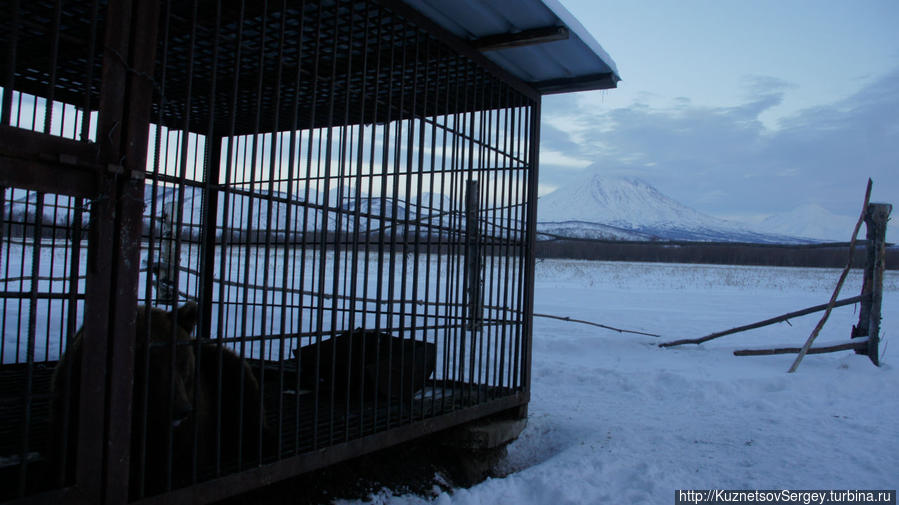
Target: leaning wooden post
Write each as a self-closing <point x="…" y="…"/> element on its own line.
<point x="836" y="290"/>
<point x="876" y="218"/>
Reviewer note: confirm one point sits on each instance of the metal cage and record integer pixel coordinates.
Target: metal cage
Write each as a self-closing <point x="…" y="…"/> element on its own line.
<point x="335" y="199"/>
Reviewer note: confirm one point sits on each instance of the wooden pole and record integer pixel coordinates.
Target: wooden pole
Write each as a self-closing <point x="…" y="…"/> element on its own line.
<point x="472" y="275"/>
<point x="766" y="322"/>
<point x="792" y="350"/>
<point x="836" y="291"/>
<point x="473" y="255"/>
<point x="876" y="219"/>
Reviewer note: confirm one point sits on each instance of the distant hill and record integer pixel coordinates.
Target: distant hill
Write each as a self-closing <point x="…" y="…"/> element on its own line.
<point x="626" y="208"/>
<point x="812" y="221"/>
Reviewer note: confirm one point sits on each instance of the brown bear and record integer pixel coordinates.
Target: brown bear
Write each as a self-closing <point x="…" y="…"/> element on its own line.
<point x="195" y="414"/>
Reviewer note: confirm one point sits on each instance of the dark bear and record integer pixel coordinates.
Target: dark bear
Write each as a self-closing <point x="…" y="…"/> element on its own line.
<point x="203" y="396"/>
<point x="363" y="363"/>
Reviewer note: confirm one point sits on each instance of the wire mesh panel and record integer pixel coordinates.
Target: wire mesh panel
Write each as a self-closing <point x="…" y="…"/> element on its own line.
<point x="42" y="268"/>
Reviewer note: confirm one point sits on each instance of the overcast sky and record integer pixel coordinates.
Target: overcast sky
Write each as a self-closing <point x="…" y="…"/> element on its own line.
<point x="740" y="109"/>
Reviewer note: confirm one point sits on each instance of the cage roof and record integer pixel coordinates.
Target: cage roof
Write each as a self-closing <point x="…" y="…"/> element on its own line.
<point x="538" y="41"/>
<point x="226" y="68"/>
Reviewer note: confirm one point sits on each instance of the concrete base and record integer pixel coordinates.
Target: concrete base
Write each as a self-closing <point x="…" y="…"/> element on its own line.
<point x="473" y="450"/>
<point x="485" y="434"/>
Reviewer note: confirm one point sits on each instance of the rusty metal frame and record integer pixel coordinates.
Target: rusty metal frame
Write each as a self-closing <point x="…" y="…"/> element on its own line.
<point x="66" y="165"/>
<point x="210" y="491"/>
<point x="108" y="173"/>
<point x="112" y="173"/>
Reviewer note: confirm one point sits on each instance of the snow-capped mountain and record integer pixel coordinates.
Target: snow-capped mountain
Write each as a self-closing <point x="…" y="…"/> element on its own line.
<point x="626" y="208"/>
<point x="814" y="222"/>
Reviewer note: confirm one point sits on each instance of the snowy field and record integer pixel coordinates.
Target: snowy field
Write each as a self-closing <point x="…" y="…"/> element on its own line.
<point x="615" y="419"/>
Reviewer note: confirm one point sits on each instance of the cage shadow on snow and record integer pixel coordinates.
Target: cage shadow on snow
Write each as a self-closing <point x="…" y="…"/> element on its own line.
<point x="323" y="207"/>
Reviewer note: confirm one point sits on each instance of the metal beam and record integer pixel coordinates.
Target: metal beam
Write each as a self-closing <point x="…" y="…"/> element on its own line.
<point x="230" y="485"/>
<point x="28" y="144"/>
<point x="583" y="83"/>
<point x="42" y="162"/>
<point x="522" y="38"/>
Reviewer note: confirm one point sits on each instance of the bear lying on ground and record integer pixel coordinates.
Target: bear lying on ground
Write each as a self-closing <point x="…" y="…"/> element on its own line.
<point x="179" y="402"/>
<point x="361" y="363"/>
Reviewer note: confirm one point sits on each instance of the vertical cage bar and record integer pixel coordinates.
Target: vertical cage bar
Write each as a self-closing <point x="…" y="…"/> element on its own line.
<point x="357" y="223"/>
<point x="325" y="226"/>
<point x="432" y="275"/>
<point x="467" y="356"/>
<point x="443" y="271"/>
<point x="351" y="253"/>
<point x="210" y="196"/>
<point x="51" y="81"/>
<point x="533" y="142"/>
<point x="375" y="88"/>
<point x="86" y="116"/>
<point x="382" y="212"/>
<point x="301" y="163"/>
<point x="24" y="430"/>
<point x="11" y="53"/>
<point x="419" y="225"/>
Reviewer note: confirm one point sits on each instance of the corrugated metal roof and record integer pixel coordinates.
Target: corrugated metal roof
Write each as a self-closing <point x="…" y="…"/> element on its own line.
<point x="538" y="41"/>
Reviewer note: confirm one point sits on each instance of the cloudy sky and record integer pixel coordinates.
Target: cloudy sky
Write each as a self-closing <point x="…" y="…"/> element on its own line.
<point x="739" y="109"/>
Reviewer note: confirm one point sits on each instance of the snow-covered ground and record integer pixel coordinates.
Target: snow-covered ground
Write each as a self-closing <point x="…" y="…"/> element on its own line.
<point x="615" y="419"/>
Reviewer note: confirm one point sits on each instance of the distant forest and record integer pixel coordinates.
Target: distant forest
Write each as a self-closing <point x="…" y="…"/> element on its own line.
<point x="833" y="255"/>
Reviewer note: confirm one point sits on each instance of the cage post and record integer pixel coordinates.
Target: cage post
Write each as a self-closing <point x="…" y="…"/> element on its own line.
<point x="473" y="256"/>
<point x="208" y="220"/>
<point x="123" y="131"/>
<point x="876" y="217"/>
<point x="530" y="246"/>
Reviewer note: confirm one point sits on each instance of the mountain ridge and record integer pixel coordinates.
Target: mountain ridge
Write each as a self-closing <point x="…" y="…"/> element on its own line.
<point x="629" y="208"/>
<point x="812" y="221"/>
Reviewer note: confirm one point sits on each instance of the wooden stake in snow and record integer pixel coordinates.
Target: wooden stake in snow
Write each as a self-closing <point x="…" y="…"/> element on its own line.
<point x="836" y="291"/>
<point x="869" y="313"/>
